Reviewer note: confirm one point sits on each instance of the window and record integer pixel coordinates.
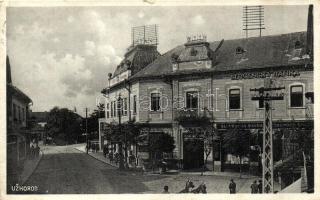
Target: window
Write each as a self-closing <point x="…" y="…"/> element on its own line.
<point x="296" y="96"/>
<point x="19" y="112"/>
<point x="239" y="50"/>
<point x="193" y="52"/>
<point x="119" y="107"/>
<point x="234" y="99"/>
<point x="155" y="101"/>
<point x="297" y="44"/>
<point x="23" y="114"/>
<point x="14" y="112"/>
<point x="192" y="100"/>
<point x="114" y="108"/>
<point x="261" y="104"/>
<point x="134" y="104"/>
<point x="107" y="110"/>
<point x="125" y="107"/>
<point x="111" y="109"/>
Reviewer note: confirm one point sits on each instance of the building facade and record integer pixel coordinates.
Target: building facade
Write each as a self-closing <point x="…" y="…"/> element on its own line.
<point x="18" y="137"/>
<point x="214" y="79"/>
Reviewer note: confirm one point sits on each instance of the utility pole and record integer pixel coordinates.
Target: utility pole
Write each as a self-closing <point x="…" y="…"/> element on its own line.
<point x="265" y="96"/>
<point x="121" y="164"/>
<point x="87" y="130"/>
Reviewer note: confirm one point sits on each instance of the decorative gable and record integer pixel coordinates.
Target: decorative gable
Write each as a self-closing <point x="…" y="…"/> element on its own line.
<point x="197" y="54"/>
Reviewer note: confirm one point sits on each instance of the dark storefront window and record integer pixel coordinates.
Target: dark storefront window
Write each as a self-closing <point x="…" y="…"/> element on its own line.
<point x="155" y="101"/>
<point x="234" y="99"/>
<point x="296" y="96"/>
<point x="192" y="100"/>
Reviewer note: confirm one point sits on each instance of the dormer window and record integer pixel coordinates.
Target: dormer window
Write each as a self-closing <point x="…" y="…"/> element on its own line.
<point x="174" y="57"/>
<point x="297" y="44"/>
<point x="239" y="50"/>
<point x="193" y="52"/>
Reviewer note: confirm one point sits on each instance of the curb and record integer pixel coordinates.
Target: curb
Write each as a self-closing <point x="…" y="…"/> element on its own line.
<point x="96" y="158"/>
<point x="36" y="166"/>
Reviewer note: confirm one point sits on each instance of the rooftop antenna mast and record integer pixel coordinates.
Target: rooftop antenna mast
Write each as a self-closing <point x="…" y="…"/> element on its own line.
<point x="147" y="35"/>
<point x="253" y="19"/>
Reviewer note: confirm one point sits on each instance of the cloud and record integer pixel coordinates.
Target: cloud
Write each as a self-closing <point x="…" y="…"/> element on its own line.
<point x="95" y="24"/>
<point x="66" y="63"/>
<point x="141" y="14"/>
<point x="198" y="20"/>
<point x="89" y="48"/>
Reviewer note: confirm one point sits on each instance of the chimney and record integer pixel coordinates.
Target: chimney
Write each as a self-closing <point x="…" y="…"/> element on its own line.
<point x="310" y="32"/>
<point x="9" y="80"/>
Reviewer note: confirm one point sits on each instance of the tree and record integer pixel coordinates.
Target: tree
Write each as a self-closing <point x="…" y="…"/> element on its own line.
<point x="125" y="135"/>
<point x="237" y="143"/>
<point x="93" y="120"/>
<point x="63" y="125"/>
<point x="158" y="144"/>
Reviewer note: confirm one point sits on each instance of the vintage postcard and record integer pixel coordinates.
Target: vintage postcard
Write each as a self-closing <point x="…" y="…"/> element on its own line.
<point x="159" y="98"/>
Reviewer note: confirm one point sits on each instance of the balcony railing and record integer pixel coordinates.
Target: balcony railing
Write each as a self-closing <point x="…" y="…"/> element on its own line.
<point x="193" y="116"/>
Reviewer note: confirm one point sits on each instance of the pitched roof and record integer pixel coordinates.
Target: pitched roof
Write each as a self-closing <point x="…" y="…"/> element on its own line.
<point x="137" y="58"/>
<point x="258" y="52"/>
<point x="13" y="90"/>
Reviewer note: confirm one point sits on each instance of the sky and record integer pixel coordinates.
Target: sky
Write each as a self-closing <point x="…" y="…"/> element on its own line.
<point x="61" y="56"/>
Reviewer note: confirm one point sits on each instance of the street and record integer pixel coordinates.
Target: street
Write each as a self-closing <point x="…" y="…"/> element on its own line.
<point x="65" y="170"/>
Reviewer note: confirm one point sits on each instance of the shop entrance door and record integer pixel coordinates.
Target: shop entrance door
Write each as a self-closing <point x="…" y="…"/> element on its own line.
<point x="193" y="154"/>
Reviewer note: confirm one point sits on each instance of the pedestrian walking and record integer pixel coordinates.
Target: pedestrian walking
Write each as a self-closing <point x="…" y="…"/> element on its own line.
<point x="105" y="150"/>
<point x="37" y="150"/>
<point x="232" y="187"/>
<point x="165" y="190"/>
<point x="32" y="149"/>
<point x="260" y="186"/>
<point x="111" y="157"/>
<point x="132" y="160"/>
<point x="254" y="187"/>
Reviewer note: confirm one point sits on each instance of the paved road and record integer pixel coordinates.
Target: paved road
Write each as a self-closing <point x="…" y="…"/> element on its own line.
<point x="65" y="170"/>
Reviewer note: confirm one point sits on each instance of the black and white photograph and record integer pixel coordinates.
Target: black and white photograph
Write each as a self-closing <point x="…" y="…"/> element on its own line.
<point x="151" y="99"/>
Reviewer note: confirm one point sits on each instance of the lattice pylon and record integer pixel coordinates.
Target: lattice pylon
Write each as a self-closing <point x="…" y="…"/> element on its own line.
<point x="267" y="175"/>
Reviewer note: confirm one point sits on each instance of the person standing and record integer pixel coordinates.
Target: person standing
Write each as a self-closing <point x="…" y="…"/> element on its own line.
<point x="232" y="187"/>
<point x="260" y="186"/>
<point x="254" y="187"/>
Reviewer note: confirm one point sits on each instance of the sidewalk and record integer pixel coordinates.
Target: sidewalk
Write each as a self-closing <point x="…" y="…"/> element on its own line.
<point x="28" y="168"/>
<point x="97" y="155"/>
<point x="215" y="181"/>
